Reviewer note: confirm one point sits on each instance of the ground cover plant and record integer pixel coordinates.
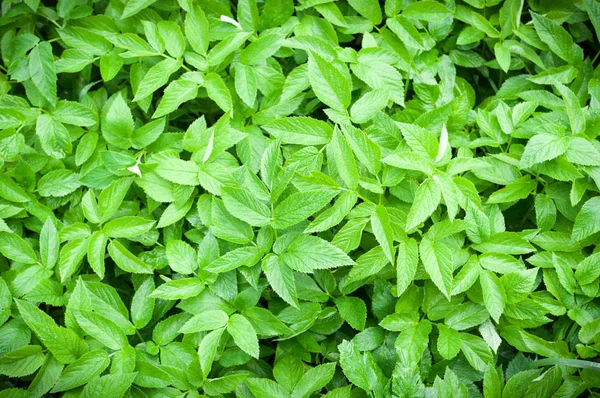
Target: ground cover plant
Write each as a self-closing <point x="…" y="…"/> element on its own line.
<point x="277" y="198"/>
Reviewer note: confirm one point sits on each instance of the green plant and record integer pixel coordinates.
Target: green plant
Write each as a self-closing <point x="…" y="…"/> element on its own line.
<point x="287" y="199"/>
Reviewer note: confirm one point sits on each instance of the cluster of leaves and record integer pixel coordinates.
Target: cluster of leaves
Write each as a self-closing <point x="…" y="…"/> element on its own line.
<point x="273" y="198"/>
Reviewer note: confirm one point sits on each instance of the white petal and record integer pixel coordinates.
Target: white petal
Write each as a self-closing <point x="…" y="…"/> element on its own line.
<point x="135" y="169"/>
<point x="232" y="21"/>
<point x="443" y="144"/>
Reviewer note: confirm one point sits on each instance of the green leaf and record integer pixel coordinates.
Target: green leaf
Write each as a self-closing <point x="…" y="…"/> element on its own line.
<point x="420" y="140"/>
<point x="406" y="381"/>
<point x="427" y="10"/>
<point x="184" y="172"/>
<point x="360" y="369"/>
<point x="218" y="91"/>
<point x="114" y="384"/>
<point x="196" y="29"/>
<point x="46" y="377"/>
<point x="142" y="305"/>
<point x="307" y="253"/>
<point x="300" y="130"/>
<point x="82" y="371"/>
<point x="223" y="385"/>
<point x="241" y="204"/>
<point x="266" y="388"/>
<point x="437" y="259"/>
<point x="49" y="244"/>
<point x="176" y="93"/>
<point x="111" y="197"/>
<point x="519" y="189"/>
<point x="492" y="385"/>
<point x="206" y="321"/>
<point x="110" y="65"/>
<point x="208" y="349"/>
<point x="505" y="242"/>
<point x="171" y="33"/>
<point x="299" y="206"/>
<point x="22" y="361"/>
<point x="448" y="343"/>
<point x="545" y="212"/>
<point x="95" y="252"/>
<point x="242" y="256"/>
<point x="565" y="274"/>
<point x="156" y="77"/>
<point x="475" y="351"/>
<point x="370" y="9"/>
<point x="415" y="338"/>
<point x="11" y="191"/>
<point x="406" y="31"/>
<point x="510" y="16"/>
<point x="225" y="48"/>
<point x="450" y="192"/>
<point x="543" y="147"/>
<point x="261" y="49"/>
<point x="101" y="329"/>
<point x="582" y="152"/>
<point x="494" y="295"/>
<point x="126" y="227"/>
<point x="561" y="74"/>
<point x="344" y="159"/>
<point x="58" y="183"/>
<point x="147" y="134"/>
<point x="307" y="173"/>
<point x="367" y="106"/>
<point x="245" y="84"/>
<point x="181" y="257"/>
<point x="502" y="56"/>
<point x="243" y="334"/>
<point x="314" y="380"/>
<point x="127" y="261"/>
<point x="33" y="4"/>
<point x="16" y="248"/>
<point x="5" y="302"/>
<point x="349" y="236"/>
<point x="71" y="256"/>
<point x="557" y="38"/>
<point x="368" y="264"/>
<point x="63" y="343"/>
<point x="575" y="363"/>
<point x="134" y="6"/>
<point x="588" y="269"/>
<point x="382" y="229"/>
<point x="42" y="71"/>
<point x="53" y="136"/>
<point x="406" y="264"/>
<point x="574" y="111"/>
<point x="353" y="310"/>
<point x="74" y="113"/>
<point x="281" y="279"/>
<point x="518" y="284"/>
<point x="427" y="199"/>
<point x="333" y="215"/>
<point x="330" y="81"/>
<point x="265" y="323"/>
<point x="117" y="122"/>
<point x="588" y="219"/>
<point x="150" y="375"/>
<point x="179" y="289"/>
<point x="367" y="152"/>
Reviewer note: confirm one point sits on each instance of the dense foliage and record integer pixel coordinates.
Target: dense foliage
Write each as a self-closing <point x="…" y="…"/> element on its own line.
<point x="273" y="198"/>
